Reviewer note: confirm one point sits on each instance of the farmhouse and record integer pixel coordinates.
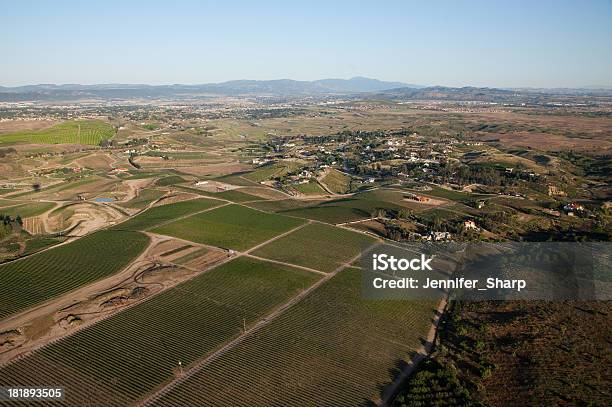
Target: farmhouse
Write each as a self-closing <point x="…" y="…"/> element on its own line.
<point x="470" y="225"/>
<point x="418" y="198"/>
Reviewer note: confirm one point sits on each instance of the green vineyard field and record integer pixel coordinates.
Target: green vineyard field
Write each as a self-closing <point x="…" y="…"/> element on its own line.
<point x="120" y="360"/>
<point x="164" y="213"/>
<point x="317" y="246"/>
<point x="45" y="275"/>
<point x="232" y="226"/>
<point x="333" y="348"/>
<point x="90" y="132"/>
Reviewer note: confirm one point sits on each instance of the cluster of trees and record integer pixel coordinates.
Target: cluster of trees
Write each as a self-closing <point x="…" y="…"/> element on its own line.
<point x="434" y="385"/>
<point x="8" y="224"/>
<point x="6" y="151"/>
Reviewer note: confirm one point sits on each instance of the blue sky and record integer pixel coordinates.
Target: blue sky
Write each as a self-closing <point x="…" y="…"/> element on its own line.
<point x="454" y="43"/>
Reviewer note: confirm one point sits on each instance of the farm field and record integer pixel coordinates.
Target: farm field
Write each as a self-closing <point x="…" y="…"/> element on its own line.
<point x="171" y="180"/>
<point x="356" y="207"/>
<point x="332" y="348"/>
<point x="269" y="171"/>
<point x="119" y="360"/>
<point x="238" y="179"/>
<point x="317" y="246"/>
<point x="159" y="214"/>
<point x="144" y="198"/>
<point x="32" y="280"/>
<point x="457" y="196"/>
<point x="281" y="205"/>
<point x="90" y="132"/>
<point x="232" y="226"/>
<point x="311" y="188"/>
<point x="236" y="196"/>
<point x="29" y="209"/>
<point x="233" y="195"/>
<point x="337" y="182"/>
<point x="261" y="192"/>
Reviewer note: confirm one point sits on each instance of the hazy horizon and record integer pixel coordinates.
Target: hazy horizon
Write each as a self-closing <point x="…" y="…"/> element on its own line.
<point x="522" y="44"/>
<point x="588" y="86"/>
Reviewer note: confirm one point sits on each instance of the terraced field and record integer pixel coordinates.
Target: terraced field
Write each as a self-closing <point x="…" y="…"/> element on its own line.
<point x="90" y="132"/>
<point x="159" y="214"/>
<point x="317" y="246"/>
<point x="45" y="275"/>
<point x="332" y="348"/>
<point x="121" y="359"/>
<point x="232" y="226"/>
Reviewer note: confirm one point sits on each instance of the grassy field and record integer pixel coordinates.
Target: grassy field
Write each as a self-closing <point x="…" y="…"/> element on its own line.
<point x="236" y="179"/>
<point x="144" y="198"/>
<point x="342" y="210"/>
<point x="234" y="227"/>
<point x="269" y="171"/>
<point x="281" y="205"/>
<point x="457" y="196"/>
<point x="45" y="275"/>
<point x="171" y="180"/>
<point x="333" y="348"/>
<point x="90" y="132"/>
<point x="28" y="210"/>
<point x="121" y="359"/>
<point x="312" y="188"/>
<point x="231" y="195"/>
<point x="317" y="246"/>
<point x="164" y="213"/>
<point x="337" y="182"/>
<point x="40" y="242"/>
<point x="237" y="196"/>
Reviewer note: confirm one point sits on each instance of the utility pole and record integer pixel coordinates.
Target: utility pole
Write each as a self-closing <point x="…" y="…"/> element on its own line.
<point x="180" y="367"/>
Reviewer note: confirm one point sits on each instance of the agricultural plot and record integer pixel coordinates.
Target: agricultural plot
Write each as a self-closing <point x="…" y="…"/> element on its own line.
<point x="38" y="243"/>
<point x="171" y="180"/>
<point x="159" y="214"/>
<point x="119" y="360"/>
<point x="332" y="348"/>
<point x="343" y="210"/>
<point x="232" y="226"/>
<point x="282" y="205"/>
<point x="317" y="246"/>
<point x="42" y="276"/>
<point x="456" y="196"/>
<point x="337" y="182"/>
<point x="28" y="210"/>
<point x="144" y="198"/>
<point x="236" y="196"/>
<point x="230" y="195"/>
<point x="262" y="192"/>
<point x="311" y="188"/>
<point x="270" y="171"/>
<point x="8" y="202"/>
<point x="236" y="179"/>
<point x="90" y="132"/>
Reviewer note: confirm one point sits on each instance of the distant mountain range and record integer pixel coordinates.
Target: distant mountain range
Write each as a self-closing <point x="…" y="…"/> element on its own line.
<point x="355" y="87"/>
<point x="280" y="87"/>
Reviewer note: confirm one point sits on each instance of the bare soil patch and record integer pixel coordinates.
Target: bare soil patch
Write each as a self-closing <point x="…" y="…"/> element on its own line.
<point x="11" y="126"/>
